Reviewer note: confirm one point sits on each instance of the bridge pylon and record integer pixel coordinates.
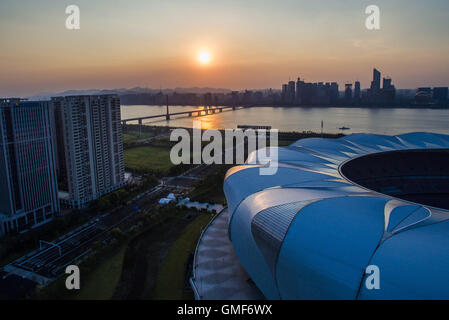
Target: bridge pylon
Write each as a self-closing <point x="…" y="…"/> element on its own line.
<point x="167" y="115"/>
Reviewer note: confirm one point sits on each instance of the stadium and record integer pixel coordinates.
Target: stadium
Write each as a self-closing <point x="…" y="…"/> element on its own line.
<point x="334" y="207"/>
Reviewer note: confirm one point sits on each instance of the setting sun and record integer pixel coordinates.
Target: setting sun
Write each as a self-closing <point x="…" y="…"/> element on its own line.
<point x="204" y="57"/>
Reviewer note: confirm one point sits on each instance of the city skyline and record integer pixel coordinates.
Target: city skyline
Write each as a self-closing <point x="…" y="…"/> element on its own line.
<point x="248" y="45"/>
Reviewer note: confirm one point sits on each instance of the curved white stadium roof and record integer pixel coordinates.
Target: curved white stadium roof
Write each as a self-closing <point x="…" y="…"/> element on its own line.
<point x="307" y="232"/>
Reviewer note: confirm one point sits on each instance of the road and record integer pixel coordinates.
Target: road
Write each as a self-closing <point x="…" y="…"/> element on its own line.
<point x="49" y="261"/>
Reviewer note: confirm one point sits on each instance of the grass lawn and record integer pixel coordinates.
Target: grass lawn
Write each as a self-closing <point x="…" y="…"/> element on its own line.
<point x="147" y="158"/>
<point x="170" y="279"/>
<point x="211" y="188"/>
<point x="131" y="137"/>
<point x="101" y="282"/>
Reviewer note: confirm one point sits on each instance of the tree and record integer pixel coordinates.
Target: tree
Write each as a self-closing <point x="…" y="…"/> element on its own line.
<point x="117" y="233"/>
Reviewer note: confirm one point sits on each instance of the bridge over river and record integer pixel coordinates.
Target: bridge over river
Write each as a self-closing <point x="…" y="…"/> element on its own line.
<point x="191" y="113"/>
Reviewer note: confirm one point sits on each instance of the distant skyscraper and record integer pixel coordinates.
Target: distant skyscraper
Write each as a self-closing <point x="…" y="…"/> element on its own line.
<point x="284" y="94"/>
<point x="440" y="95"/>
<point x="381" y="96"/>
<point x="291" y="92"/>
<point x="321" y="94"/>
<point x="348" y="92"/>
<point x="426" y="90"/>
<point x="388" y="91"/>
<point x="357" y="93"/>
<point x="335" y="94"/>
<point x="89" y="147"/>
<point x="258" y="96"/>
<point x="28" y="183"/>
<point x="299" y="87"/>
<point x="309" y="94"/>
<point x="248" y="97"/>
<point x="423" y="96"/>
<point x="375" y="84"/>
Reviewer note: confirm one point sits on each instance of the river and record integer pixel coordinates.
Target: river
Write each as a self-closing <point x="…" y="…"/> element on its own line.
<point x="369" y="120"/>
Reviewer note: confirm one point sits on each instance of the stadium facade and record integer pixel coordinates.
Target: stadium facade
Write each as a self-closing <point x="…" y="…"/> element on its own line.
<point x="335" y="207"/>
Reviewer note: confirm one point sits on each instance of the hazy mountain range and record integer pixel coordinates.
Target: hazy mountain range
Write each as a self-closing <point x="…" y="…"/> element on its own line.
<point x="123" y="91"/>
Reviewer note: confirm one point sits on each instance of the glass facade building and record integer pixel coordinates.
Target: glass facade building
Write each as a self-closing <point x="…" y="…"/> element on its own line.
<point x="28" y="183"/>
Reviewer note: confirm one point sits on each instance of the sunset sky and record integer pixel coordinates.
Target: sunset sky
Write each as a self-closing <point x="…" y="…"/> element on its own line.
<point x="250" y="44"/>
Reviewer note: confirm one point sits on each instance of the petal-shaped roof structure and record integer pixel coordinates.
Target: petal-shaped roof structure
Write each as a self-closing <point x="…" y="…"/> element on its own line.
<point x="335" y="207"/>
